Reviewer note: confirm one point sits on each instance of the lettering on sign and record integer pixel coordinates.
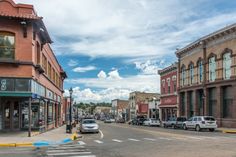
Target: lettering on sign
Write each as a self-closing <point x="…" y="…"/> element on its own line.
<point x="4" y="84"/>
<point x="167" y="101"/>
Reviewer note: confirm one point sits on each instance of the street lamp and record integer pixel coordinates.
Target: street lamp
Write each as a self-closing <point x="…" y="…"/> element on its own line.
<point x="154" y="99"/>
<point x="71" y="91"/>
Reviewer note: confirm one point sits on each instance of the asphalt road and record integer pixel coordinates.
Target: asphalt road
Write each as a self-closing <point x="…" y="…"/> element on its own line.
<point x="121" y="140"/>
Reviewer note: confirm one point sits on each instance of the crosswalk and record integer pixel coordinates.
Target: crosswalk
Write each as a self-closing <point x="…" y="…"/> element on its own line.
<point x="69" y="150"/>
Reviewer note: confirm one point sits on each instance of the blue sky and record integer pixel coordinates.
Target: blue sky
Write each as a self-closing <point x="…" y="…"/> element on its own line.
<point x="112" y="47"/>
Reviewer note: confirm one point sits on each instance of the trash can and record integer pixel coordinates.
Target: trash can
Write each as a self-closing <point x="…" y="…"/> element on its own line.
<point x="68" y="128"/>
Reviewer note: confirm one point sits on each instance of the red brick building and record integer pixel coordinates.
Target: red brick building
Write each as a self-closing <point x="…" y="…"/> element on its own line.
<point x="168" y="85"/>
<point x="30" y="75"/>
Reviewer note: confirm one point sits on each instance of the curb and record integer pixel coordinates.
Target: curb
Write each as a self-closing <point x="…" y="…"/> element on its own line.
<point x="74" y="136"/>
<point x="229" y="131"/>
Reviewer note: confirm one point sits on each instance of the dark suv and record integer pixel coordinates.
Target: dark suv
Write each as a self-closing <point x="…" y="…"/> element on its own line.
<point x="174" y="122"/>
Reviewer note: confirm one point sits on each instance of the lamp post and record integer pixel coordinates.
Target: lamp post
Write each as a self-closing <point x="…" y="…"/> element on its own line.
<point x="71" y="91"/>
<point x="154" y="99"/>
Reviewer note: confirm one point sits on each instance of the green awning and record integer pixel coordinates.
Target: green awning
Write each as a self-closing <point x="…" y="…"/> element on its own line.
<point x="16" y="94"/>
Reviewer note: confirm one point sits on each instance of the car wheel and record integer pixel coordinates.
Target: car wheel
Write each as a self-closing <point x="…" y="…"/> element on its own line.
<point x="185" y="127"/>
<point x="197" y="128"/>
<point x="212" y="129"/>
<point x="173" y="126"/>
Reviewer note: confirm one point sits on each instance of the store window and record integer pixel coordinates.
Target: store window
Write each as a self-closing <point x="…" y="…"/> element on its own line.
<point x="227" y="65"/>
<point x="212" y="69"/>
<point x="50" y="113"/>
<point x="191" y="68"/>
<point x="200" y="71"/>
<point x="7" y="45"/>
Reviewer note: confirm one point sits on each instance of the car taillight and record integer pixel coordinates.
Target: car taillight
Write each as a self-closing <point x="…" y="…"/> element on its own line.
<point x="203" y="122"/>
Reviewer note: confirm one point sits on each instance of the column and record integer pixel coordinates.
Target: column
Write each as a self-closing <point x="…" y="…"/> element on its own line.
<point x="30" y="118"/>
<point x="187" y="103"/>
<point x="206" y="102"/>
<point x="196" y="105"/>
<point x="219" y="105"/>
<point x="46" y="115"/>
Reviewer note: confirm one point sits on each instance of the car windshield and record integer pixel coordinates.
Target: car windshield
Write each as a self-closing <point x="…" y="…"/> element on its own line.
<point x="89" y="121"/>
<point x="209" y="118"/>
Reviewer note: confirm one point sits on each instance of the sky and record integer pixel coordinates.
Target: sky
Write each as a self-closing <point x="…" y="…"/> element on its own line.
<point x="110" y="48"/>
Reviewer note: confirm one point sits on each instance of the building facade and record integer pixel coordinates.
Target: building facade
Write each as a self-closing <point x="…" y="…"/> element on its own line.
<point x="138" y="103"/>
<point x="120" y="109"/>
<point x="168" y="86"/>
<point x="31" y="79"/>
<point x="207" y="77"/>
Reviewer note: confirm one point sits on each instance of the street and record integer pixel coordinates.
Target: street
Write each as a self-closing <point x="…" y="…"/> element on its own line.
<point x="122" y="140"/>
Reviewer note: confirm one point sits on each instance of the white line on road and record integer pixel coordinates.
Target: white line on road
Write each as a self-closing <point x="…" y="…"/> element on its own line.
<point x="81" y="143"/>
<point x="62" y="150"/>
<point x="83" y="156"/>
<point x="195" y="138"/>
<point x="132" y="139"/>
<point x="150" y="139"/>
<point x="97" y="141"/>
<point x="68" y="153"/>
<point x="165" y="138"/>
<point x="101" y="134"/>
<point x="115" y="140"/>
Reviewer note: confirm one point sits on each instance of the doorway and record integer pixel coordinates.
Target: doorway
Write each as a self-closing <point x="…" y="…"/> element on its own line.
<point x="11" y="115"/>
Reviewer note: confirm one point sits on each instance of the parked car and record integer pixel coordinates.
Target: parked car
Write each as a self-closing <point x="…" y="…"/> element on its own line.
<point x="140" y="121"/>
<point x="133" y="122"/>
<point x="200" y="122"/>
<point x="151" y="122"/>
<point x="89" y="125"/>
<point x="120" y="121"/>
<point x="170" y="122"/>
<point x="108" y="120"/>
<point x="113" y="120"/>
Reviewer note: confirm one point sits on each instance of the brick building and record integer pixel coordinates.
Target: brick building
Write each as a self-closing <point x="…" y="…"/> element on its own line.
<point x="138" y="103"/>
<point x="207" y="73"/>
<point x="120" y="109"/>
<point x="168" y="85"/>
<point x="31" y="79"/>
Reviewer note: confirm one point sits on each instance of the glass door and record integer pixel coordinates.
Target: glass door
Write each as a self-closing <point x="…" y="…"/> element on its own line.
<point x="15" y="116"/>
<point x="7" y="115"/>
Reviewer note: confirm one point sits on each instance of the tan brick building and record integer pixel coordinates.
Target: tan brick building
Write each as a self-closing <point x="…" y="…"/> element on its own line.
<point x="120" y="109"/>
<point x="138" y="103"/>
<point x="207" y="77"/>
<point x="30" y="75"/>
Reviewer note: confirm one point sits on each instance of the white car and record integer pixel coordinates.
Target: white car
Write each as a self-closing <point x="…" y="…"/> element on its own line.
<point x="89" y="125"/>
<point x="113" y="120"/>
<point x="200" y="122"/>
<point x="151" y="122"/>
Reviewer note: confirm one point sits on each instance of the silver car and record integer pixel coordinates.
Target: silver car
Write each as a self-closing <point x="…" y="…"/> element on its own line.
<point x="89" y="125"/>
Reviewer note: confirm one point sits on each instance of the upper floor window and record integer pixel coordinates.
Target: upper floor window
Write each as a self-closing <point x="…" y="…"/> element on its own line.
<point x="174" y="78"/>
<point x="227" y="65"/>
<point x="38" y="51"/>
<point x="7" y="45"/>
<point x="212" y="69"/>
<point x="183" y="75"/>
<point x="191" y="73"/>
<point x="168" y="81"/>
<point x="200" y="71"/>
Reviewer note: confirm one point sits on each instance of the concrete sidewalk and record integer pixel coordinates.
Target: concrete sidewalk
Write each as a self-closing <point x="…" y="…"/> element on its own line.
<point x="55" y="135"/>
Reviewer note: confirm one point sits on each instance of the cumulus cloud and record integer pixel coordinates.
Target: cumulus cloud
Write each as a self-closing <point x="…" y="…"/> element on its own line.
<point x="84" y="69"/>
<point x="72" y="63"/>
<point x="114" y="75"/>
<point x="102" y="74"/>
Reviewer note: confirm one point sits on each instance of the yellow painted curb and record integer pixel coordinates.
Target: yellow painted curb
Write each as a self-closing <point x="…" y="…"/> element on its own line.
<point x="74" y="136"/>
<point x="7" y="145"/>
<point x="30" y="144"/>
<point x="229" y="131"/>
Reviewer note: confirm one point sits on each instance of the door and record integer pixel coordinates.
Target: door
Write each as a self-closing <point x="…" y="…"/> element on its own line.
<point x="11" y="115"/>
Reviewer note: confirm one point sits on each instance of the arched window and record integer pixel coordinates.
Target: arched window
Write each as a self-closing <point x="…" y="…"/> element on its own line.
<point x="183" y="75"/>
<point x="191" y="72"/>
<point x="212" y="69"/>
<point x="200" y="70"/>
<point x="227" y="65"/>
<point x="7" y="45"/>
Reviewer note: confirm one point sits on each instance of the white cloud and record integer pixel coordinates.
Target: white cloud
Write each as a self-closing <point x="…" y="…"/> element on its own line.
<point x="72" y="63"/>
<point x="84" y="69"/>
<point x="102" y="74"/>
<point x="114" y="75"/>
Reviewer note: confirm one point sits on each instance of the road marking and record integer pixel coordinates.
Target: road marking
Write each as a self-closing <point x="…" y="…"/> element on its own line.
<point x="97" y="141"/>
<point x="61" y="150"/>
<point x="81" y="143"/>
<point x="101" y="134"/>
<point x="83" y="156"/>
<point x="68" y="153"/>
<point x="150" y="139"/>
<point x="117" y="140"/>
<point x="131" y="139"/>
<point x="165" y="138"/>
<point x="66" y="147"/>
<point x="195" y="138"/>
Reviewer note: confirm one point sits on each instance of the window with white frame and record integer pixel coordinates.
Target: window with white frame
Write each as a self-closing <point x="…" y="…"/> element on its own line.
<point x="191" y="73"/>
<point x="200" y="71"/>
<point x="174" y="78"/>
<point x="168" y="83"/>
<point x="227" y="65"/>
<point x="212" y="69"/>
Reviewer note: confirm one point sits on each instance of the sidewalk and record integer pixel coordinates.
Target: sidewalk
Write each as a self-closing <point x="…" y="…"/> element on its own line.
<point x="53" y="136"/>
<point x="227" y="130"/>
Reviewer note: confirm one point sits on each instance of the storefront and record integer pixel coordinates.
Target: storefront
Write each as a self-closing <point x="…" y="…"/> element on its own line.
<point x="15" y="97"/>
